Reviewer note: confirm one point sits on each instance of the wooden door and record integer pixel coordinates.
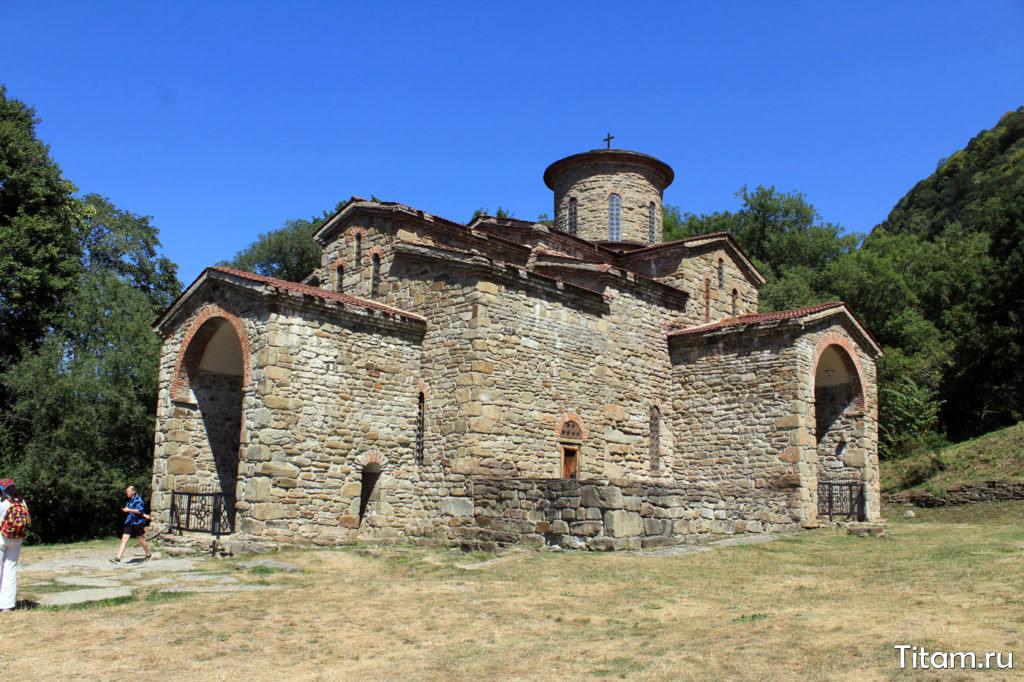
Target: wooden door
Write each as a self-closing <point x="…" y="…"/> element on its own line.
<point x="570" y="462"/>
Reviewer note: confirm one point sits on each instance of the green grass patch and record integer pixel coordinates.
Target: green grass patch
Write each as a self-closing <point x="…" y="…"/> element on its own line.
<point x="98" y="604"/>
<point x="264" y="570"/>
<point x="996" y="456"/>
<point x="158" y="596"/>
<point x="620" y="666"/>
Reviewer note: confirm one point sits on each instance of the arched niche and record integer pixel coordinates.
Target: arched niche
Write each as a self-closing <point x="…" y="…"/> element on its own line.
<point x="208" y="387"/>
<point x="839" y="405"/>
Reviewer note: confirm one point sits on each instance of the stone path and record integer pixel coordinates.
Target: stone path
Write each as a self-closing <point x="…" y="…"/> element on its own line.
<point x="101" y="579"/>
<point x="724" y="542"/>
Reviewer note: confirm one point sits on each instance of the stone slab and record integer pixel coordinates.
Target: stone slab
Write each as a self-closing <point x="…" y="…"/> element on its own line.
<point x="83" y="596"/>
<point x="269" y="563"/>
<point x="88" y="581"/>
<point x="206" y="577"/>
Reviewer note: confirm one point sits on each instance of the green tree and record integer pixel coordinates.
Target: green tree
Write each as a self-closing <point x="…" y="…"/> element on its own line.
<point x="972" y="208"/>
<point x="39" y="258"/>
<point x="79" y="421"/>
<point x="500" y="213"/>
<point x="783" y="234"/>
<point x="288" y="253"/>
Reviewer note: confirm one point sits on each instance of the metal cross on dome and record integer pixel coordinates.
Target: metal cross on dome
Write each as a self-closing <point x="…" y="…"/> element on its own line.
<point x="609" y="139"/>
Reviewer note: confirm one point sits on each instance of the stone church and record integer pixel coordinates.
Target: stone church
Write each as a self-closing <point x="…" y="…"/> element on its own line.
<point x="475" y="385"/>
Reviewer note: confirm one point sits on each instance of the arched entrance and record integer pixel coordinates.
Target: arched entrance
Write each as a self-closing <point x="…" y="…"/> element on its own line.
<point x="208" y="388"/>
<point x="838" y="414"/>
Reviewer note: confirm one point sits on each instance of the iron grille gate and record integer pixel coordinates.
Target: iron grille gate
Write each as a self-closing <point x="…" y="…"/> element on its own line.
<point x="200" y="511"/>
<point x="841" y="498"/>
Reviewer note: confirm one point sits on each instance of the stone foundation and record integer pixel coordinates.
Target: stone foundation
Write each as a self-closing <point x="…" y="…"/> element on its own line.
<point x="611" y="514"/>
<point x="962" y="493"/>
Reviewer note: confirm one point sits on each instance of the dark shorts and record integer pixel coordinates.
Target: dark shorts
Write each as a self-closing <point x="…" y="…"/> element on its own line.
<point x="135" y="530"/>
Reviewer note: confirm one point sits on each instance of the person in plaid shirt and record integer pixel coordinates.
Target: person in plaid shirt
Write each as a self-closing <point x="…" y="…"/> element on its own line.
<point x="134" y="523"/>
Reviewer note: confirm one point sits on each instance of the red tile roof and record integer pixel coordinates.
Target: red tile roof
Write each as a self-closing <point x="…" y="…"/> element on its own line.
<point x="317" y="292"/>
<point x="757" y="318"/>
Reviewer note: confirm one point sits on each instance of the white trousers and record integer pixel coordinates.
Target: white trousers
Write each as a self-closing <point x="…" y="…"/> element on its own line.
<point x="9" y="571"/>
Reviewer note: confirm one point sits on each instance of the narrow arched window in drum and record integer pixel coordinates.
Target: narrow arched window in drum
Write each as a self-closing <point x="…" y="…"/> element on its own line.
<point x="375" y="277"/>
<point x="614" y="218"/>
<point x="651" y="220"/>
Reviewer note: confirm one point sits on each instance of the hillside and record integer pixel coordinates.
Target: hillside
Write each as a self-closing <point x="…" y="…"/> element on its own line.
<point x="961" y="235"/>
<point x="979" y="187"/>
<point x="996" y="456"/>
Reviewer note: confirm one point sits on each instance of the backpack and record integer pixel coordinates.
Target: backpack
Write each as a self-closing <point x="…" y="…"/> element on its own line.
<point x="16" y="521"/>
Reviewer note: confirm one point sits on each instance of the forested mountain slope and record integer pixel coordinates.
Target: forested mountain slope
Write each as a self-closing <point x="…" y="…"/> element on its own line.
<point x="972" y="208"/>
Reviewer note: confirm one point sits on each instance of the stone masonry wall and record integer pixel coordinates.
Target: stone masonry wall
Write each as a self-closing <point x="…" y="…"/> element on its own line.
<point x="606" y="514"/>
<point x="207" y="456"/>
<point x="732" y="399"/>
<point x="696" y="272"/>
<point x="548" y="360"/>
<point x="836" y="420"/>
<point x="335" y="397"/>
<point x="327" y="396"/>
<point x="592" y="184"/>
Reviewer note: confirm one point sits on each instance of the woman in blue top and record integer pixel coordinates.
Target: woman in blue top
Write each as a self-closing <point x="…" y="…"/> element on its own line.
<point x="134" y="523"/>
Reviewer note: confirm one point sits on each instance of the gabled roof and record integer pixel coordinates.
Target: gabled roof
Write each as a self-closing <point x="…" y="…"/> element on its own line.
<point x="743" y="322"/>
<point x="490" y="223"/>
<point x="694" y="242"/>
<point x="222" y="273"/>
<point x="382" y="206"/>
<point x="418" y="249"/>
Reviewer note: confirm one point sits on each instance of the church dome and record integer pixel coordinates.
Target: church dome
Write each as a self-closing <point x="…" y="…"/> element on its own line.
<point x="611" y="196"/>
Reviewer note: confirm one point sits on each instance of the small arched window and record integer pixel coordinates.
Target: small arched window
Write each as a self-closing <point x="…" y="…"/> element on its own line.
<point x="359" y="249"/>
<point x="572" y="216"/>
<point x="614" y="218"/>
<point x="340" y="274"/>
<point x="375" y="277"/>
<point x="721" y="273"/>
<point x="571" y="431"/>
<point x="707" y="300"/>
<point x="420" y="430"/>
<point x="651" y="231"/>
<point x="735" y="303"/>
<point x="655" y="437"/>
<point x="368" y="487"/>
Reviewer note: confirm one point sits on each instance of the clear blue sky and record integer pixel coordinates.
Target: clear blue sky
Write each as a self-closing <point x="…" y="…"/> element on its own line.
<point x="224" y="119"/>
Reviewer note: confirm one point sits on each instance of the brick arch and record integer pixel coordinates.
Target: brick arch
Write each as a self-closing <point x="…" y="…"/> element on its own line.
<point x="372" y="457"/>
<point x="375" y="250"/>
<point x="194" y="343"/>
<point x="354" y="230"/>
<point x="571" y="417"/>
<point x="836" y="339"/>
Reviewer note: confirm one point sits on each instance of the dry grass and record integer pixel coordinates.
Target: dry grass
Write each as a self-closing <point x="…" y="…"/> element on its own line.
<point x="818" y="605"/>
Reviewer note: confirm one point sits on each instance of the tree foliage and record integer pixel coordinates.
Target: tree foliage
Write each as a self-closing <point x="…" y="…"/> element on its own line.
<point x="782" y="233"/>
<point x="39" y="258"/>
<point x="82" y="283"/>
<point x="970" y="213"/>
<point x="288" y="252"/>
